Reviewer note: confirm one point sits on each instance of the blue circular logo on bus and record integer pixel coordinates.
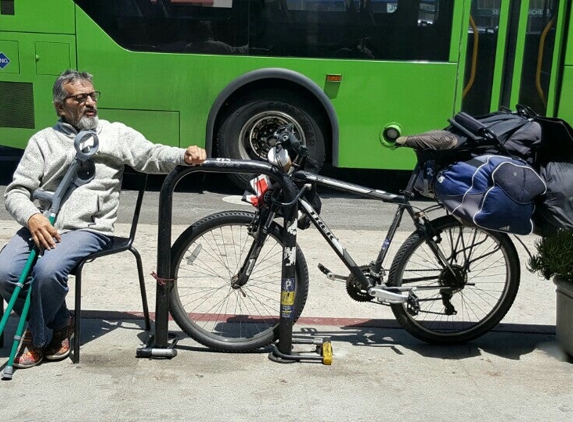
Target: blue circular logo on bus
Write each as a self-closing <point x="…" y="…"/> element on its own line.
<point x="4" y="61"/>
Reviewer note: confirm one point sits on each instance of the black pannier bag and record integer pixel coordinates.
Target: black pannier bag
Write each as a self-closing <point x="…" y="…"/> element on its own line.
<point x="518" y="133"/>
<point x="554" y="158"/>
<point x="545" y="143"/>
<point x="554" y="210"/>
<point x="491" y="191"/>
<point x="557" y="145"/>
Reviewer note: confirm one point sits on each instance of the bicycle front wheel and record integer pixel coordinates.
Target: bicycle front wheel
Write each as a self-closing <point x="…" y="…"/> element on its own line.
<point x="468" y="297"/>
<point x="204" y="302"/>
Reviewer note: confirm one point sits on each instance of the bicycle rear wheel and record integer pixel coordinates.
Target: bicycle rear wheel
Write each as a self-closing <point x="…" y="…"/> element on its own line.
<point x="203" y="301"/>
<point x="472" y="295"/>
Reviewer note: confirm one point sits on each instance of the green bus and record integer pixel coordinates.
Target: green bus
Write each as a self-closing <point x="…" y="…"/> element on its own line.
<point x="226" y="73"/>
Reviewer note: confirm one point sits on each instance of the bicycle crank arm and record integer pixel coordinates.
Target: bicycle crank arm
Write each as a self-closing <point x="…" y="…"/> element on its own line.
<point x="330" y="275"/>
<point x="386" y="296"/>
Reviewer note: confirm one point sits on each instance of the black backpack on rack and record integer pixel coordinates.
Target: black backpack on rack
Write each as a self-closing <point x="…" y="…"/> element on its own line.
<point x="517" y="133"/>
<point x="546" y="144"/>
<point x="554" y="161"/>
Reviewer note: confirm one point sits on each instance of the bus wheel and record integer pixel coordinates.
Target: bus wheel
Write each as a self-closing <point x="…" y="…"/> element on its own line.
<point x="244" y="134"/>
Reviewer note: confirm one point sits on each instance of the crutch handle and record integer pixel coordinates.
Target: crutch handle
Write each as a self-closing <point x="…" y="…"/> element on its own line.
<point x="42" y="195"/>
<point x="86" y="144"/>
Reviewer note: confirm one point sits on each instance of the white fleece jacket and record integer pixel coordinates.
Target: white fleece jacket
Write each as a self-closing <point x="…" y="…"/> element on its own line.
<point x="92" y="206"/>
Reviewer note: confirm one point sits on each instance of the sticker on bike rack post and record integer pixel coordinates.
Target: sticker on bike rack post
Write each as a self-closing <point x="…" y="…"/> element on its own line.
<point x="287" y="298"/>
<point x="292" y="228"/>
<point x="290" y="256"/>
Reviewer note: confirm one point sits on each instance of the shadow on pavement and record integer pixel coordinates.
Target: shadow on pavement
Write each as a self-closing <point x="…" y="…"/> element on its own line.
<point x="509" y="342"/>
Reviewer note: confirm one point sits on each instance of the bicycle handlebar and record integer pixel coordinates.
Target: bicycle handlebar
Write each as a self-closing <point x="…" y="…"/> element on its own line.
<point x="285" y="137"/>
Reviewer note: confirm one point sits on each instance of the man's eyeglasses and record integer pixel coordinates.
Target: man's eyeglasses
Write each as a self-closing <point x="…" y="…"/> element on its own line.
<point x="82" y="98"/>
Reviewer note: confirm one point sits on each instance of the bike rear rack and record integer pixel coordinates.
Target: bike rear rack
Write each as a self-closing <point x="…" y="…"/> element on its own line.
<point x="162" y="343"/>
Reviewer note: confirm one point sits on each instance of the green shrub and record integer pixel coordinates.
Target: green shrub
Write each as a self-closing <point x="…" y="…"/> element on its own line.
<point x="554" y="256"/>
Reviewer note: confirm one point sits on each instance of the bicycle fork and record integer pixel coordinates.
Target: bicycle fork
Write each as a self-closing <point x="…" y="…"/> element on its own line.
<point x="260" y="232"/>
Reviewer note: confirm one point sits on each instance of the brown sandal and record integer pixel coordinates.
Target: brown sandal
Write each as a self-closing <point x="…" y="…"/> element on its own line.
<point x="28" y="354"/>
<point x="59" y="348"/>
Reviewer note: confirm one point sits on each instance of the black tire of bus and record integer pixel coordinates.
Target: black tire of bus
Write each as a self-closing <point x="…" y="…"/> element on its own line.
<point x="261" y="118"/>
<point x="203" y="286"/>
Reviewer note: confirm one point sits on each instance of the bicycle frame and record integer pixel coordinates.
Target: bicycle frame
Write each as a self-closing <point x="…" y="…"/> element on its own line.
<point x="402" y="200"/>
<point x="386" y="294"/>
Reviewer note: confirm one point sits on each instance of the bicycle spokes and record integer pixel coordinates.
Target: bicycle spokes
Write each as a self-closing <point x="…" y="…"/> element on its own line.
<point x="467" y="286"/>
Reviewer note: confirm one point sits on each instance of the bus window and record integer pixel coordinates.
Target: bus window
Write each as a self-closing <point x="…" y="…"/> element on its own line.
<point x="523" y="72"/>
<point x="358" y="29"/>
<point x="538" y="53"/>
<point x="480" y="56"/>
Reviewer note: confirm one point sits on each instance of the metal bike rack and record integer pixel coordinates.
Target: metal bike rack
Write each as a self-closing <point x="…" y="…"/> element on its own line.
<point x="162" y="343"/>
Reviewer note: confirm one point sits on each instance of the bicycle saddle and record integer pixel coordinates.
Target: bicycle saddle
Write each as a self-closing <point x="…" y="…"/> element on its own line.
<point x="434" y="139"/>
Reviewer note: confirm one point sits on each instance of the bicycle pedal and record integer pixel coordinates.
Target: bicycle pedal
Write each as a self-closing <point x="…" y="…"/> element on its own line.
<point x="323" y="269"/>
<point x="330" y="275"/>
<point x="413" y="304"/>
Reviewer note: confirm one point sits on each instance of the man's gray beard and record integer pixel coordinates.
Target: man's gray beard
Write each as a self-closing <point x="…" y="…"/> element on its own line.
<point x="87" y="123"/>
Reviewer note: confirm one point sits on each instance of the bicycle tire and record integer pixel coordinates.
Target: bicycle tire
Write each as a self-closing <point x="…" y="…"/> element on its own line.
<point x="487" y="280"/>
<point x="204" y="304"/>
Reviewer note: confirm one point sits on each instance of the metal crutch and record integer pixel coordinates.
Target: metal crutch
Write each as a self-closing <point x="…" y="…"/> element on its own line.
<point x="86" y="144"/>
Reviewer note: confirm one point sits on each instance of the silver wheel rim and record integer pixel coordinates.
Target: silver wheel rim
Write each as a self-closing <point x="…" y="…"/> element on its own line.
<point x="259" y="128"/>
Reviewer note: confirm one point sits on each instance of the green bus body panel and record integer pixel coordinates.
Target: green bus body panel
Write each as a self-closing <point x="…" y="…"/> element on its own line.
<point x="40" y="16"/>
<point x="168" y="97"/>
<point x="462" y="10"/>
<point x="146" y="121"/>
<point x="553" y="95"/>
<point x="521" y="33"/>
<point x="565" y="102"/>
<point x="39" y="57"/>
<point x="10" y="49"/>
<point x="51" y="57"/>
<point x="393" y="92"/>
<point x="499" y="55"/>
<point x="568" y="59"/>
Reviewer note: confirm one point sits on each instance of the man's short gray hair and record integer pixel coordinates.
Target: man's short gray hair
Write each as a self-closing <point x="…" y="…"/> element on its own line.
<point x="66" y="77"/>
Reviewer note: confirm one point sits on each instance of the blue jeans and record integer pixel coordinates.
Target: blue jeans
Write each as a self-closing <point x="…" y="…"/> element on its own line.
<point x="48" y="308"/>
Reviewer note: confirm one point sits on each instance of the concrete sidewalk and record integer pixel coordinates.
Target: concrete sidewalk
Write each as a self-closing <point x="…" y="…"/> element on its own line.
<point x="377" y="374"/>
<point x="379" y="371"/>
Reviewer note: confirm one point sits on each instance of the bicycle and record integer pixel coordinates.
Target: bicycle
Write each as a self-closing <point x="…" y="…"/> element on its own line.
<point x="448" y="282"/>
